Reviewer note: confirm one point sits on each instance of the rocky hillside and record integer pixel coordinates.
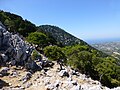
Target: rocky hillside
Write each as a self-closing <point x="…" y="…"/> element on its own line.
<point x="18" y="69"/>
<point x="14" y="51"/>
<point x="56" y="45"/>
<point x="60" y="35"/>
<point x="50" y="78"/>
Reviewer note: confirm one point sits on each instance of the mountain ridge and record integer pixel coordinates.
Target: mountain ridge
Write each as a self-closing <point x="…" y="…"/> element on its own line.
<point x="61" y="35"/>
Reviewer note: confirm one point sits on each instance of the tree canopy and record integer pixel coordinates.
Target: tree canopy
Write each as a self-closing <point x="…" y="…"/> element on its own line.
<point x="54" y="53"/>
<point x="37" y="38"/>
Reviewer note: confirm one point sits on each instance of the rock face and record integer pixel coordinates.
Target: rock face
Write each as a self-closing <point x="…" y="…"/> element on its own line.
<point x="12" y="48"/>
<point x="15" y="51"/>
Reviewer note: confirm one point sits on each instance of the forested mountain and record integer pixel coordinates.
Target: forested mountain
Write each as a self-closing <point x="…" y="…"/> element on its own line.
<point x="58" y="45"/>
<point x="60" y="35"/>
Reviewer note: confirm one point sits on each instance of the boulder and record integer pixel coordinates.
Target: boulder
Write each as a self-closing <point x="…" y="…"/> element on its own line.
<point x="117" y="88"/>
<point x="47" y="63"/>
<point x="26" y="77"/>
<point x="28" y="85"/>
<point x="63" y="73"/>
<point x="4" y="71"/>
<point x="14" y="74"/>
<point x="13" y="62"/>
<point x="75" y="73"/>
<point x="74" y="83"/>
<point x="76" y="88"/>
<point x="31" y="65"/>
<point x="56" y="84"/>
<point x="95" y="88"/>
<point x="4" y="57"/>
<point x="49" y="87"/>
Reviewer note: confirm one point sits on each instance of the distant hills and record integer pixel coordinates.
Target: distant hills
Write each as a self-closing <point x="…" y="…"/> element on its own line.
<point x="105" y="40"/>
<point x="110" y="48"/>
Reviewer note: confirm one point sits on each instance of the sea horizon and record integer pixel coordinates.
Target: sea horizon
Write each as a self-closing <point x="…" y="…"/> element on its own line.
<point x="98" y="41"/>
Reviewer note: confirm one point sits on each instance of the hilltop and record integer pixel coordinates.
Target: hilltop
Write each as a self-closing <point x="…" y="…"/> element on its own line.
<point x="60" y="35"/>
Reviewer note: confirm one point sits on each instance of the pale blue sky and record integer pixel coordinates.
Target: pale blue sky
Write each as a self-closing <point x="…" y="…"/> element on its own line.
<point x="86" y="19"/>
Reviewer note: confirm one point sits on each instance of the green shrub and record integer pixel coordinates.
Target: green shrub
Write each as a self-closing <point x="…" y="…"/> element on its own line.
<point x="54" y="53"/>
<point x="115" y="82"/>
<point x="93" y="63"/>
<point x="37" y="38"/>
<point x="35" y="55"/>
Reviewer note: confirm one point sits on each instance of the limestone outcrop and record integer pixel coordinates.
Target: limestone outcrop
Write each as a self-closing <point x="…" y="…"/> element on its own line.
<point x="13" y="50"/>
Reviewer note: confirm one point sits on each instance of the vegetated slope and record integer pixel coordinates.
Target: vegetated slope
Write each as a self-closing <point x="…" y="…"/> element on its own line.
<point x="16" y="23"/>
<point x="63" y="38"/>
<point x="75" y="52"/>
<point x="82" y="56"/>
<point x="18" y="78"/>
<point x="60" y="35"/>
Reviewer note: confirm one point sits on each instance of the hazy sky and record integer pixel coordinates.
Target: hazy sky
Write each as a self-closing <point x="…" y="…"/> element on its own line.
<point x="86" y="19"/>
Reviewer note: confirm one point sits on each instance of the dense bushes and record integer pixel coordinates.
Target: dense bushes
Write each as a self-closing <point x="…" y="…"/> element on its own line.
<point x="16" y="24"/>
<point x="54" y="53"/>
<point x="35" y="55"/>
<point x="88" y="61"/>
<point x="40" y="39"/>
<point x="37" y="38"/>
<point x="107" y="72"/>
<point x="92" y="62"/>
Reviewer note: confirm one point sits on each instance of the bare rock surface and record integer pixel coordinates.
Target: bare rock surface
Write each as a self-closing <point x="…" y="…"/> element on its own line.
<point x="51" y="80"/>
<point x="12" y="48"/>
